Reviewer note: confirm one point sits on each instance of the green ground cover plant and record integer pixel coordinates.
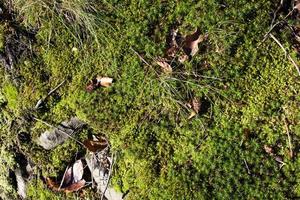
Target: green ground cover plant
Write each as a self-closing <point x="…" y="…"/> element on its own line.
<point x="247" y="88"/>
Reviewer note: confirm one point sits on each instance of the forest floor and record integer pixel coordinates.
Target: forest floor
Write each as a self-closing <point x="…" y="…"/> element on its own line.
<point x="197" y="99"/>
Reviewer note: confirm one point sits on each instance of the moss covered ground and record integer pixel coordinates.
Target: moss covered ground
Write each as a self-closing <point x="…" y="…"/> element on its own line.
<point x="248" y="89"/>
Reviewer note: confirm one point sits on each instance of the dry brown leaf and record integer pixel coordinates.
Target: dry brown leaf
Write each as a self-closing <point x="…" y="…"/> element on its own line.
<point x="166" y="67"/>
<point x="96" y="145"/>
<point x="72" y="180"/>
<point x="171" y="52"/>
<point x="74" y="187"/>
<point x="190" y="45"/>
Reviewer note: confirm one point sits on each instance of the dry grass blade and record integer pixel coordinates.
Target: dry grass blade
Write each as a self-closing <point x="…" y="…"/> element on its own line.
<point x="286" y="54"/>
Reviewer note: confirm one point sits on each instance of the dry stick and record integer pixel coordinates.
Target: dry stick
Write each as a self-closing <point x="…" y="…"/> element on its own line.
<point x="286" y="54"/>
<point x="62" y="180"/>
<point x="109" y="175"/>
<point x="276" y="24"/>
<point x="142" y="59"/>
<point x="248" y="170"/>
<point x="289" y="138"/>
<point x="275" y="13"/>
<point x="42" y="100"/>
<point x="60" y="131"/>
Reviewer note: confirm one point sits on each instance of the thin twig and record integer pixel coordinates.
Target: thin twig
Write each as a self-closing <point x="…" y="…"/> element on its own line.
<point x="51" y="126"/>
<point x="248" y="170"/>
<point x="276" y="24"/>
<point x="289" y="138"/>
<point x="109" y="175"/>
<point x="42" y="100"/>
<point x="143" y="60"/>
<point x="286" y="54"/>
<point x="62" y="180"/>
<point x="56" y="88"/>
<point x="276" y="11"/>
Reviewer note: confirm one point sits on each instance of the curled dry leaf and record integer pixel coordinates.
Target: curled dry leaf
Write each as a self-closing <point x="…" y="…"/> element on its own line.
<point x="75" y="186"/>
<point x="104" y="81"/>
<point x="165" y="66"/>
<point x="279" y="159"/>
<point x="98" y="82"/>
<point x="190" y="44"/>
<point x="97" y="144"/>
<point x="67" y="179"/>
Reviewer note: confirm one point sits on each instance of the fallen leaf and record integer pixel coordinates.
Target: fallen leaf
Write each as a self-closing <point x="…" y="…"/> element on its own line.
<point x="92" y="86"/>
<point x="166" y="67"/>
<point x="77" y="171"/>
<point x="72" y="180"/>
<point x="98" y="82"/>
<point x="190" y="44"/>
<point x="51" y="138"/>
<point x="104" y="81"/>
<point x="97" y="144"/>
<point x="74" y="187"/>
<point x="171" y="52"/>
<point x="100" y="174"/>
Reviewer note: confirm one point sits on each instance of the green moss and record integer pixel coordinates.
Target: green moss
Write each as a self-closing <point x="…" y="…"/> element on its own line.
<point x="10" y="93"/>
<point x="248" y="92"/>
